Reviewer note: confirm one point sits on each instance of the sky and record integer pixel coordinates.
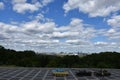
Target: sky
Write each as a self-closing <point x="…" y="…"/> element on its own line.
<point x="60" y="25"/>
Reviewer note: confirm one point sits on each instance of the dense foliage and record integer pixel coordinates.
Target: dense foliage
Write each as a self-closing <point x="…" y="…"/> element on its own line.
<point x="31" y="59"/>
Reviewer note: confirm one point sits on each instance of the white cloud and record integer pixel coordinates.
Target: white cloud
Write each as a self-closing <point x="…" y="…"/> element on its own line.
<point x="19" y="35"/>
<point x="78" y="42"/>
<point x="22" y="6"/>
<point x="113" y="34"/>
<point x="47" y="36"/>
<point x="111" y="31"/>
<point x="114" y="31"/>
<point x="18" y="1"/>
<point x="3" y="37"/>
<point x="101" y="43"/>
<point x="1" y="5"/>
<point x="8" y="28"/>
<point x="76" y="21"/>
<point x="102" y="46"/>
<point x="65" y="34"/>
<point x="108" y="45"/>
<point x="75" y="29"/>
<point x="114" y="21"/>
<point x="37" y="41"/>
<point x="37" y="27"/>
<point x="45" y="2"/>
<point x="93" y="7"/>
<point x="62" y="29"/>
<point x="43" y="34"/>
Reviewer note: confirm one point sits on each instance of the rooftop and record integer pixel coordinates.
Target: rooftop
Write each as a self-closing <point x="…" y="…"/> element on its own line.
<point x="46" y="74"/>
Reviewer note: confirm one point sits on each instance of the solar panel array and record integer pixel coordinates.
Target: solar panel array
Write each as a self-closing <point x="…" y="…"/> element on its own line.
<point x="46" y="74"/>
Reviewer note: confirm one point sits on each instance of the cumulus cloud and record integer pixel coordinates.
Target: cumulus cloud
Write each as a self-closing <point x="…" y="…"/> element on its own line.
<point x="1" y="5"/>
<point x="2" y="37"/>
<point x="114" y="21"/>
<point x="47" y="36"/>
<point x="22" y="6"/>
<point x="8" y="28"/>
<point x="43" y="34"/>
<point x="75" y="29"/>
<point x="111" y="31"/>
<point x="20" y="38"/>
<point x="106" y="46"/>
<point x="114" y="31"/>
<point x="113" y="34"/>
<point x="27" y="29"/>
<point x="19" y="1"/>
<point x="93" y="7"/>
<point x="78" y="42"/>
<point x="45" y="2"/>
<point x="65" y="34"/>
<point x="110" y="46"/>
<point x="101" y="43"/>
<point x="37" y="27"/>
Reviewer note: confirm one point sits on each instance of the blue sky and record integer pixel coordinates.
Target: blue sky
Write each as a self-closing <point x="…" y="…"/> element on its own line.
<point x="60" y="25"/>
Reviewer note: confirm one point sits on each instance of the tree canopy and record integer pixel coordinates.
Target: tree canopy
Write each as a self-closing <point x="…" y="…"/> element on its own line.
<point x="29" y="58"/>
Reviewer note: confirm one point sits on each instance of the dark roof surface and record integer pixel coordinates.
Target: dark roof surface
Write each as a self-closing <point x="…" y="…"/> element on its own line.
<point x="46" y="74"/>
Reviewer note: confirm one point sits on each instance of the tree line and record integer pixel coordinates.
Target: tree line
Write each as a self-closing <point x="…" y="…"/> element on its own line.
<point x="29" y="58"/>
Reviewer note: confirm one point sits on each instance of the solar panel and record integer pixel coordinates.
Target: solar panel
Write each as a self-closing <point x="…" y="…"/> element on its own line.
<point x="46" y="74"/>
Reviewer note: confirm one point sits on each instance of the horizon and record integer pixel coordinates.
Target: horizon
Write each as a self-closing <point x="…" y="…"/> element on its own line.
<point x="63" y="53"/>
<point x="88" y="26"/>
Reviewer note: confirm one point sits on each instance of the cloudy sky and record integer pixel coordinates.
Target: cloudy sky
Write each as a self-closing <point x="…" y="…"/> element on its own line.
<point x="60" y="25"/>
